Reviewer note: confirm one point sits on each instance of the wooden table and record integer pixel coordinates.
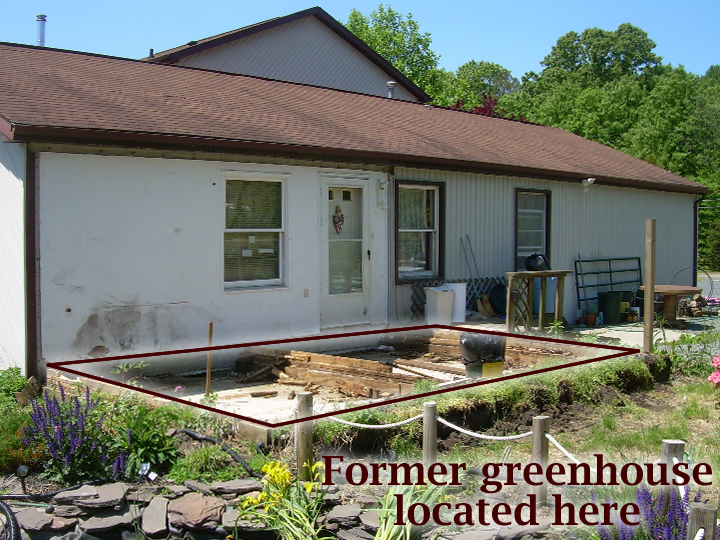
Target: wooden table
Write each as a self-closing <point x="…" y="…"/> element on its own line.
<point x="670" y="298"/>
<point x="520" y="295"/>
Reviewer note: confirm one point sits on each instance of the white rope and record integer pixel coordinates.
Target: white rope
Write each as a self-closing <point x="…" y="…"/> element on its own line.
<point x="480" y="435"/>
<point x="564" y="451"/>
<point x="700" y="534"/>
<point x="370" y="426"/>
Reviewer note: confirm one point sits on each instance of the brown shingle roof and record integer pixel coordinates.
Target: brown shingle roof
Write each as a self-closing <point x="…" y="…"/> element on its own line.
<point x="59" y="95"/>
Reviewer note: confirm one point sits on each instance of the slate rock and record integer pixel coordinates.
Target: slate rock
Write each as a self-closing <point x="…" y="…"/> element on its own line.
<point x="345" y="511"/>
<point x="354" y="534"/>
<point x="108" y="519"/>
<point x="109" y="495"/>
<point x="68" y="511"/>
<point x="346" y="515"/>
<point x="195" y="511"/>
<point x="174" y="491"/>
<point x="231" y="522"/>
<point x="154" y="517"/>
<point x="367" y="501"/>
<point x="370" y="520"/>
<point x="200" y="487"/>
<point x="61" y="524"/>
<point x="143" y="494"/>
<point x="235" y="487"/>
<point x="81" y="493"/>
<point x="34" y="519"/>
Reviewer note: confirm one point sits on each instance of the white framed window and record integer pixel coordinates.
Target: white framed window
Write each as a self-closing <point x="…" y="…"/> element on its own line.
<point x="254" y="233"/>
<point x="532" y="225"/>
<point x="418" y="243"/>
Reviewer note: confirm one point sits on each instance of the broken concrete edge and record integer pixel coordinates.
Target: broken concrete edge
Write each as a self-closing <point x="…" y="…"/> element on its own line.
<point x="247" y="430"/>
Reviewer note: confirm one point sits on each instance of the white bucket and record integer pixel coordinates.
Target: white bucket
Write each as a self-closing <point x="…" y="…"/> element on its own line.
<point x="439" y="305"/>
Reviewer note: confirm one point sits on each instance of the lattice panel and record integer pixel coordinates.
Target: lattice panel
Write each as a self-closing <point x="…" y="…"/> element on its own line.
<point x="523" y="309"/>
<point x="475" y="288"/>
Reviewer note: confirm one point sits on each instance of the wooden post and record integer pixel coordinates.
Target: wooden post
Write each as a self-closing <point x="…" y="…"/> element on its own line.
<point x="541" y="310"/>
<point x="510" y="310"/>
<point x="670" y="449"/>
<point x="702" y="516"/>
<point x="540" y="425"/>
<point x="430" y="433"/>
<point x="304" y="436"/>
<point x="559" y="298"/>
<point x="649" y="311"/>
<point x="208" y="367"/>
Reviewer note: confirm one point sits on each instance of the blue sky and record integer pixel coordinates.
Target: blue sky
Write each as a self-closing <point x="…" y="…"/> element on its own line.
<point x="514" y="33"/>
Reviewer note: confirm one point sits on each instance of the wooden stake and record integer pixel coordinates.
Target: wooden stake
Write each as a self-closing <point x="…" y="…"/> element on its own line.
<point x="670" y="449"/>
<point x="540" y="425"/>
<point x="208" y="367"/>
<point x="304" y="436"/>
<point x="649" y="311"/>
<point x="702" y="516"/>
<point x="430" y="433"/>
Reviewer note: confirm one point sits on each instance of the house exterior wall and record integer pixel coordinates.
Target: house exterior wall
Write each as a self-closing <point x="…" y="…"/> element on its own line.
<point x="131" y="256"/>
<point x="12" y="275"/>
<point x="603" y="222"/>
<point x="304" y="51"/>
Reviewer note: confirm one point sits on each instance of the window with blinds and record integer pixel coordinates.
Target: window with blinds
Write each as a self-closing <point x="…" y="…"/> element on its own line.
<point x="253" y="243"/>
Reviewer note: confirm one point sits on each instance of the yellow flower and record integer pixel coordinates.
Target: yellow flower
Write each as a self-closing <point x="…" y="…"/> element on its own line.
<point x="309" y="486"/>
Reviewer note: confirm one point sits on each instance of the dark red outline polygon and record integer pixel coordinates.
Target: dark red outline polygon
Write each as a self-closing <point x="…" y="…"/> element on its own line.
<point x="621" y="351"/>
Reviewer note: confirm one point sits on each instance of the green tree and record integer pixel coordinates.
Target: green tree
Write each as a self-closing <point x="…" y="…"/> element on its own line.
<point x="474" y="80"/>
<point x="597" y="56"/>
<point x="399" y="40"/>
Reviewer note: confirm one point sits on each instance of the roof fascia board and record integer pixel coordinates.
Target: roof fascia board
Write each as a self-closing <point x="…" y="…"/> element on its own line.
<point x="174" y="142"/>
<point x="321" y="15"/>
<point x="7" y="128"/>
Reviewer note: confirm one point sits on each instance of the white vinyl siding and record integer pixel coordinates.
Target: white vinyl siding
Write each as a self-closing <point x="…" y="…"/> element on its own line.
<point x="304" y="51"/>
<point x="602" y="222"/>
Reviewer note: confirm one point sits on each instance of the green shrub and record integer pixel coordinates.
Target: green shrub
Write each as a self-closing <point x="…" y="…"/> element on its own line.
<point x="207" y="463"/>
<point x="145" y="441"/>
<point x="12" y="450"/>
<point x="11" y="381"/>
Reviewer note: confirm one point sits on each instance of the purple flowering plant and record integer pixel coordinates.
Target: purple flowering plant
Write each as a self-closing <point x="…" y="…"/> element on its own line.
<point x="70" y="430"/>
<point x="655" y="523"/>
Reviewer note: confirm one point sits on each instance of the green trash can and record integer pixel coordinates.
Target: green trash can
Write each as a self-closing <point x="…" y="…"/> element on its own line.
<point x="609" y="304"/>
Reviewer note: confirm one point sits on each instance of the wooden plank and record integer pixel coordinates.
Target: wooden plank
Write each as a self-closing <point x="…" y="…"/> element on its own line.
<point x="343" y="361"/>
<point x="405" y="368"/>
<point x="384" y="384"/>
<point x="257" y="373"/>
<point x="299" y="371"/>
<point x="264" y="393"/>
<point x="454" y="370"/>
<point x="355" y="388"/>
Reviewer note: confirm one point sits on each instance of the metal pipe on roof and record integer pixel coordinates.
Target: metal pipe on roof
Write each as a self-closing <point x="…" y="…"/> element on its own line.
<point x="391" y="89"/>
<point x="41" y="20"/>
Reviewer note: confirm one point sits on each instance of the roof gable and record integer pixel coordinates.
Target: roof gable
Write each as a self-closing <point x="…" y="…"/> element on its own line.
<point x="309" y="47"/>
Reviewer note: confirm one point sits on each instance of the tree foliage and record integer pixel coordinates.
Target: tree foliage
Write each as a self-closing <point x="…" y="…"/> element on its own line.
<point x="607" y="86"/>
<point x="399" y="40"/>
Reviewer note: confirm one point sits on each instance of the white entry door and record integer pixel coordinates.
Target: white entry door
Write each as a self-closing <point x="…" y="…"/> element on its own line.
<point x="353" y="288"/>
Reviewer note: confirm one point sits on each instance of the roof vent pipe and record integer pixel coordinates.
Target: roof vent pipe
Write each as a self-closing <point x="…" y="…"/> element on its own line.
<point x="391" y="89"/>
<point x="41" y="19"/>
